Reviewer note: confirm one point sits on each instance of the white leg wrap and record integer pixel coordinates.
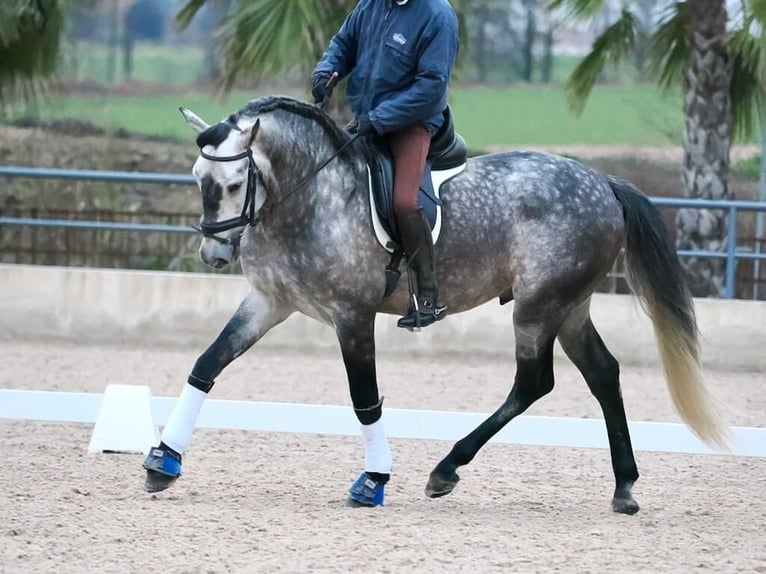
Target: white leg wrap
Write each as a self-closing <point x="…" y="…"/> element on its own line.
<point x="178" y="432"/>
<point x="377" y="454"/>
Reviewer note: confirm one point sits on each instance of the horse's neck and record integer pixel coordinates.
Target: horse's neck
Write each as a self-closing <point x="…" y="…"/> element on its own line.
<point x="312" y="194"/>
<point x="335" y="191"/>
<point x="341" y="187"/>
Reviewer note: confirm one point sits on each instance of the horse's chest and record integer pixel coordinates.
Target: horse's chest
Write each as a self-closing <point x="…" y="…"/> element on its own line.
<point x="300" y="291"/>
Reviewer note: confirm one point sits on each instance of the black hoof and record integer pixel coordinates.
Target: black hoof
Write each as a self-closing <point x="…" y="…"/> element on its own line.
<point x="351" y="503"/>
<point x="157" y="482"/>
<point x="623" y="501"/>
<point x="625" y="505"/>
<point x="438" y="486"/>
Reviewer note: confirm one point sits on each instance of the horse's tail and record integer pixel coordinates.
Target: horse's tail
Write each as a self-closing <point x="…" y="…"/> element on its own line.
<point x="655" y="275"/>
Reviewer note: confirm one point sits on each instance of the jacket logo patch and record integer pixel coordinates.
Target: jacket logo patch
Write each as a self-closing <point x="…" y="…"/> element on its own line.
<point x="399" y="39"/>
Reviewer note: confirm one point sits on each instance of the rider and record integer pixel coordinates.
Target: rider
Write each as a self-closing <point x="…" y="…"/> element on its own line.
<point x="400" y="55"/>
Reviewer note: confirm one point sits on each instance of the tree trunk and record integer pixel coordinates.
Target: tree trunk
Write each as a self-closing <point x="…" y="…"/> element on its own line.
<point x="529" y="43"/>
<point x="111" y="57"/>
<point x="212" y="62"/>
<point x="128" y="45"/>
<point x="546" y="66"/>
<point x="761" y="196"/>
<point x="481" y="44"/>
<point x="707" y="112"/>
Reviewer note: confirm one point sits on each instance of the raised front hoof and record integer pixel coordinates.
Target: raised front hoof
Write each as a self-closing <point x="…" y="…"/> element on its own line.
<point x="163" y="467"/>
<point x="438" y="486"/>
<point x="157" y="482"/>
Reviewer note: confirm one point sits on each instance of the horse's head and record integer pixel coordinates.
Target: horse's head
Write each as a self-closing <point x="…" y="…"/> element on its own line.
<point x="243" y="171"/>
<point x="231" y="184"/>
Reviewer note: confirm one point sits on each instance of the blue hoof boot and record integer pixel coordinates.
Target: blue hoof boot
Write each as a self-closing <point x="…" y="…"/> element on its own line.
<point x="163" y="467"/>
<point x="366" y="492"/>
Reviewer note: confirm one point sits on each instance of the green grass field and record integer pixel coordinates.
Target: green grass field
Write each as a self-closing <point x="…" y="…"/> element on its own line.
<point x="485" y="116"/>
<point x="540" y="116"/>
<point x="173" y="65"/>
<point x="183" y="64"/>
<point x="517" y="115"/>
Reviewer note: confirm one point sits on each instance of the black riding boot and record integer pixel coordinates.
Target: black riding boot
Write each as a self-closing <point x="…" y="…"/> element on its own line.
<point x="418" y="246"/>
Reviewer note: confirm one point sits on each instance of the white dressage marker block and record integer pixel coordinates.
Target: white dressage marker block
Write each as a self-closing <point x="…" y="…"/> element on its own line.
<point x="124" y="422"/>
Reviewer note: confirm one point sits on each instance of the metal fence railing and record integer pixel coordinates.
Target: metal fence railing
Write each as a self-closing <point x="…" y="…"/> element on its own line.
<point x="731" y="255"/>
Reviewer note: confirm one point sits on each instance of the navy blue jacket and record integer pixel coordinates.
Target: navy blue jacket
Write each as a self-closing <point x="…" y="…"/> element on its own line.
<point x="400" y="59"/>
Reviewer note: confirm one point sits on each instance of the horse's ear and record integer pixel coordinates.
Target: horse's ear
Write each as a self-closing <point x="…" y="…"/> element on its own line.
<point x="196" y="123"/>
<point x="253" y="133"/>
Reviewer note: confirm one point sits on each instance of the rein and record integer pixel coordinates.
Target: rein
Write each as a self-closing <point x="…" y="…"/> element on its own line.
<point x="247" y="216"/>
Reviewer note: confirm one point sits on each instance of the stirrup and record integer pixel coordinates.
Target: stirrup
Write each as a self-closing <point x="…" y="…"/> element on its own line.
<point x="420" y="316"/>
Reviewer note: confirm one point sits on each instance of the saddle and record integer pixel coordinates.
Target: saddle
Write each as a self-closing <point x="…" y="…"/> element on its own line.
<point x="446" y="158"/>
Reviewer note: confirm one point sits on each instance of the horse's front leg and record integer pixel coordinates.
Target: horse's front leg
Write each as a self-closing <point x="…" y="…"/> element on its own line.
<point x="356" y="334"/>
<point x="255" y="316"/>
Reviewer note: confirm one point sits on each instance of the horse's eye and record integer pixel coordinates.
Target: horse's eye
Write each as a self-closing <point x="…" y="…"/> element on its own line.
<point x="233" y="187"/>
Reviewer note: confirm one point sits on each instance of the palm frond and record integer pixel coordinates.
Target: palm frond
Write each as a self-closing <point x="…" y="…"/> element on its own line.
<point x="748" y="77"/>
<point x="268" y="37"/>
<point x="31" y="34"/>
<point x="669" y="48"/>
<point x="187" y="13"/>
<point x="614" y="44"/>
<point x="579" y="9"/>
<point x="757" y="9"/>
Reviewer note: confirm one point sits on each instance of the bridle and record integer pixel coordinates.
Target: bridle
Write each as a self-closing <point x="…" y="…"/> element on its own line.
<point x="247" y="216"/>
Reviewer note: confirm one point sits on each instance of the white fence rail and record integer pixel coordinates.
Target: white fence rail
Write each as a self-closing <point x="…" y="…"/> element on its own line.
<point x="400" y="423"/>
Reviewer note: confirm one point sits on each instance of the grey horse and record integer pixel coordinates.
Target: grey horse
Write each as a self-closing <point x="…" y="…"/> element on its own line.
<point x="535" y="228"/>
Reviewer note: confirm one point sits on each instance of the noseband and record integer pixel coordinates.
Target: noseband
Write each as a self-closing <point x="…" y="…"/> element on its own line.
<point x="247" y="217"/>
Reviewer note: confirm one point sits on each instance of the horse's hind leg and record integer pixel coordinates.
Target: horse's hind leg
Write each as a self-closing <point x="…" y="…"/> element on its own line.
<point x="255" y="316"/>
<point x="534" y="379"/>
<point x="356" y="335"/>
<point x="583" y="345"/>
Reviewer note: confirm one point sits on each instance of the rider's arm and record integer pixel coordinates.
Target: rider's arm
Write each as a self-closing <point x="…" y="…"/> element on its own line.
<point x="417" y="102"/>
<point x="341" y="54"/>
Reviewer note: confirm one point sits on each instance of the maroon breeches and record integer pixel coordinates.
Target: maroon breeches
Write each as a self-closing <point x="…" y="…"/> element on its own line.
<point x="409" y="148"/>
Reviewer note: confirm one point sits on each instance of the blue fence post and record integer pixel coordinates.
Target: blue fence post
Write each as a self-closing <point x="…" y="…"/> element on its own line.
<point x="731" y="249"/>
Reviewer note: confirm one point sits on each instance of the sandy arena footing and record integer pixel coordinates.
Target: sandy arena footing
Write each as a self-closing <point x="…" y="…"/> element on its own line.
<point x="267" y="502"/>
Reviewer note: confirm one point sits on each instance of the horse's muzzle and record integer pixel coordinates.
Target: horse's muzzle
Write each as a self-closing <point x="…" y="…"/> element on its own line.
<point x="218" y="255"/>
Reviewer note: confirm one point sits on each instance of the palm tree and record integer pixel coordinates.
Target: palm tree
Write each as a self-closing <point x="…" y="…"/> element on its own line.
<point x="707" y="109"/>
<point x="690" y="48"/>
<point x="749" y="87"/>
<point x="31" y="34"/>
<point x="262" y="38"/>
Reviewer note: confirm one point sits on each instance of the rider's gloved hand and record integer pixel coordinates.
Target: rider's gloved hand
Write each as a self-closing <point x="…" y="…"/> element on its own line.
<point x="319" y="87"/>
<point x="363" y="125"/>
